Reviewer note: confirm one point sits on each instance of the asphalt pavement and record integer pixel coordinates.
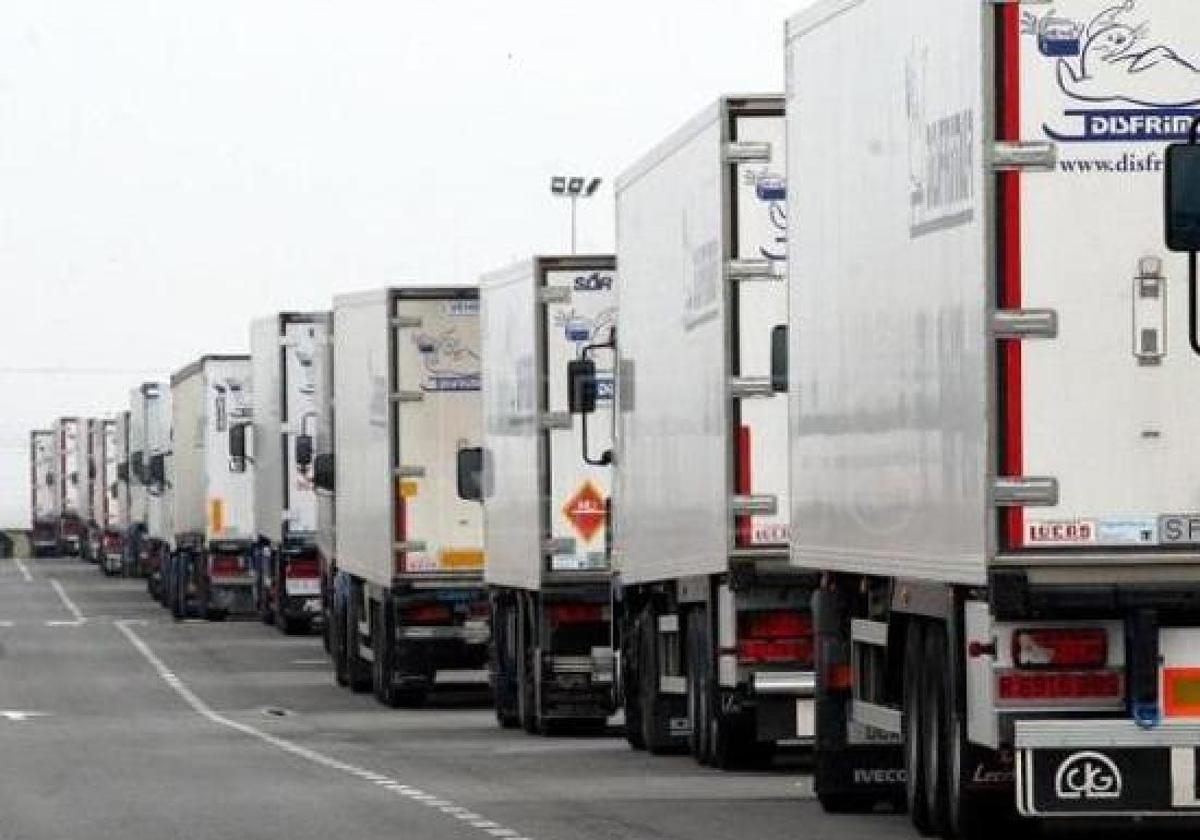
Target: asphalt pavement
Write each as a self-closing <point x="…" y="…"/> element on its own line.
<point x="118" y="722"/>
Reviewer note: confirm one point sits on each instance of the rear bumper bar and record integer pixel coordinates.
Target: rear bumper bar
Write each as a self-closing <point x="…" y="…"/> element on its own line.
<point x="1095" y="734"/>
<point x="791" y="683"/>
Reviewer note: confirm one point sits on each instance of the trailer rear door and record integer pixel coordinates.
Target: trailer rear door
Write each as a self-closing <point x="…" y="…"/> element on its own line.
<point x="1107" y="406"/>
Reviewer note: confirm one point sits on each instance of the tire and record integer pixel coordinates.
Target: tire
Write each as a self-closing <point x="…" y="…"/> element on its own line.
<point x="527" y="710"/>
<point x="358" y="670"/>
<point x="914" y="757"/>
<point x="336" y="621"/>
<point x="383" y="644"/>
<point x="504" y="698"/>
<point x="935" y="726"/>
<point x="178" y="589"/>
<point x="699" y="686"/>
<point x="631" y="699"/>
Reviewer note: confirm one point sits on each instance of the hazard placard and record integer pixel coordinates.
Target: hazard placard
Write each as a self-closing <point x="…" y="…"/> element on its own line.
<point x="585" y="511"/>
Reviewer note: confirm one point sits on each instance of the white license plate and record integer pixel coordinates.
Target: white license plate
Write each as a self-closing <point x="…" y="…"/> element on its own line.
<point x="304" y="586"/>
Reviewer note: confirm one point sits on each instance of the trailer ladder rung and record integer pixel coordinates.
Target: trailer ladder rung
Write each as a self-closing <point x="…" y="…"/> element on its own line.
<point x="761" y="505"/>
<point x="408" y="396"/>
<point x="413" y="546"/>
<point x="1025" y="323"/>
<point x="409" y="471"/>
<point x="751" y="387"/>
<point x="554" y="295"/>
<point x="1037" y="156"/>
<point x="1023" y="491"/>
<point x="748" y="152"/>
<point x="743" y="271"/>
<point x="406" y="322"/>
<point x="869" y="632"/>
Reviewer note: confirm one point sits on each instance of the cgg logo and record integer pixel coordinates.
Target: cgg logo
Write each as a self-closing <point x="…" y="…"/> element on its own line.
<point x="1088" y="775"/>
<point x="594" y="282"/>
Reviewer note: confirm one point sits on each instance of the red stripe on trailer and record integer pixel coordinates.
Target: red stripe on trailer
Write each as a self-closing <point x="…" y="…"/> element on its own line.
<point x="743" y="526"/>
<point x="1010" y="248"/>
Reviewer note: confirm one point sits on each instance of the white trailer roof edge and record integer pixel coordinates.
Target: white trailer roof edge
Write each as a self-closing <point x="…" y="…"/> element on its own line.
<point x="815" y="15"/>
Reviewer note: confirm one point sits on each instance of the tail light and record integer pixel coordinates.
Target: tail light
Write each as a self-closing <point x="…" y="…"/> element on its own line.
<point x="1061" y="686"/>
<point x="775" y="636"/>
<point x="303" y="567"/>
<point x="560" y="614"/>
<point x="479" y="611"/>
<point x="1060" y="648"/>
<point x="426" y="614"/>
<point x="226" y="565"/>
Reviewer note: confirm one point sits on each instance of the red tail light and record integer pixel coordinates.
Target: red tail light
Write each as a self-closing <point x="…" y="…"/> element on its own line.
<point x="775" y="636"/>
<point x="560" y="614"/>
<point x="226" y="565"/>
<point x="426" y="614"/>
<point x="1060" y="686"/>
<point x="1060" y="648"/>
<point x="303" y="567"/>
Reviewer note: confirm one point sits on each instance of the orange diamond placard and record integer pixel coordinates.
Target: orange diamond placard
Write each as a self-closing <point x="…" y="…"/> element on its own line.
<point x="585" y="511"/>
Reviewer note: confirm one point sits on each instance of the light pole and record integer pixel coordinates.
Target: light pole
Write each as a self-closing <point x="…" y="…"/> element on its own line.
<point x="574" y="187"/>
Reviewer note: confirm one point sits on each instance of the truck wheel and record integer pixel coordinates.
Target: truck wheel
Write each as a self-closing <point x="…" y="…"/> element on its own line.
<point x="504" y="696"/>
<point x="699" y="686"/>
<point x="935" y="728"/>
<point x="656" y="727"/>
<point x="526" y="687"/>
<point x="631" y="693"/>
<point x="358" y="670"/>
<point x="178" y="590"/>
<point x="383" y="637"/>
<point x="914" y="718"/>
<point x="336" y="624"/>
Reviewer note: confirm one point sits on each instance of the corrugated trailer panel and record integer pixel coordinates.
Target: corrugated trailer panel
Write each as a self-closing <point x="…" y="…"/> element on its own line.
<point x="42" y="475"/>
<point x="891" y="347"/>
<point x="268" y="485"/>
<point x="123" y="499"/>
<point x="323" y="443"/>
<point x="87" y="468"/>
<point x="159" y="510"/>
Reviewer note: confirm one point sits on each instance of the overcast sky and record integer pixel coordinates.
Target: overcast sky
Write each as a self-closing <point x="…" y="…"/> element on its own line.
<point x="169" y="170"/>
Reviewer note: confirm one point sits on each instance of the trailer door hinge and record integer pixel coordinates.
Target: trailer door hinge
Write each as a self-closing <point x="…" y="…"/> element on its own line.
<point x="556" y="421"/>
<point x="406" y="322"/>
<point x="1025" y="323"/>
<point x="1026" y="492"/>
<point x="410" y="546"/>
<point x="751" y="387"/>
<point x="748" y="152"/>
<point x="742" y="271"/>
<point x="408" y="471"/>
<point x="1039" y="156"/>
<point x="408" y="396"/>
<point x="554" y="295"/>
<point x="754" y="505"/>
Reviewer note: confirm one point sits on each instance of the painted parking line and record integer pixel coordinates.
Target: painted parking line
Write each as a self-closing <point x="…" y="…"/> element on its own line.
<point x="384" y="782"/>
<point x="71" y="606"/>
<point x="24" y="570"/>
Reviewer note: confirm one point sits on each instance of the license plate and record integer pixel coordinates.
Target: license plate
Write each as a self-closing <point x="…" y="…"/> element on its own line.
<point x="303" y="586"/>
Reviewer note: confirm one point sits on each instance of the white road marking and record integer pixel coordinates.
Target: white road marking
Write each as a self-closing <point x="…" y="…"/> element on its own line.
<point x="64" y="623"/>
<point x="205" y="711"/>
<point x="310" y="661"/>
<point x="24" y="570"/>
<point x="15" y="716"/>
<point x="67" y="602"/>
<point x="6" y="624"/>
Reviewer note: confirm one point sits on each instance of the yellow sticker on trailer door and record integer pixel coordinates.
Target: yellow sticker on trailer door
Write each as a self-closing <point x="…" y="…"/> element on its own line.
<point x="216" y="516"/>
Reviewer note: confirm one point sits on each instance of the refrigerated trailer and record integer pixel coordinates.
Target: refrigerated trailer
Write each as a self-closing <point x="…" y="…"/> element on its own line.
<point x="993" y="385"/>
<point x="716" y="635"/>
<point x="545" y="488"/>
<point x="87" y="479"/>
<point x="210" y="572"/>
<point x="323" y="469"/>
<point x="286" y="350"/>
<point x="104" y="521"/>
<point x="43" y="512"/>
<point x="409" y="608"/>
<point x="122" y="495"/>
<point x="69" y="473"/>
<point x="148" y="538"/>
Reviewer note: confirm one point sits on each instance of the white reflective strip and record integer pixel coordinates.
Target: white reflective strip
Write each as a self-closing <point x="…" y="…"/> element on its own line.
<point x="1183" y="778"/>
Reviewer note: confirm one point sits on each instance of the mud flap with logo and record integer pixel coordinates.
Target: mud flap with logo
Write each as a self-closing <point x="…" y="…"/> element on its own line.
<point x="866" y="771"/>
<point x="1108" y="782"/>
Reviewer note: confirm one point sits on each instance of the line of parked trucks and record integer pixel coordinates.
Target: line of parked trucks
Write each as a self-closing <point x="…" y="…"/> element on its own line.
<point x="849" y="446"/>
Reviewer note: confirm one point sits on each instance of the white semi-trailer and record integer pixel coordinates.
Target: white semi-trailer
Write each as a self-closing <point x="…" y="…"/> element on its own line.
<point x="122" y="494"/>
<point x="43" y="514"/>
<point x="211" y="572"/>
<point x="87" y="478"/>
<point x="717" y="632"/>
<point x="69" y="472"/>
<point x="286" y="350"/>
<point x="410" y="607"/>
<point x="545" y="488"/>
<point x="149" y="450"/>
<point x="994" y="379"/>
<point x="323" y="470"/>
<point x="103" y="524"/>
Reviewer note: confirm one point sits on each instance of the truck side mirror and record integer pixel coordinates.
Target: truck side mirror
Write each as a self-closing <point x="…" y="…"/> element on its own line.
<point x="304" y="451"/>
<point x="581" y="386"/>
<point x="1183" y="197"/>
<point x="779" y="359"/>
<point x="470" y="474"/>
<point x="158" y="469"/>
<point x="324" y="472"/>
